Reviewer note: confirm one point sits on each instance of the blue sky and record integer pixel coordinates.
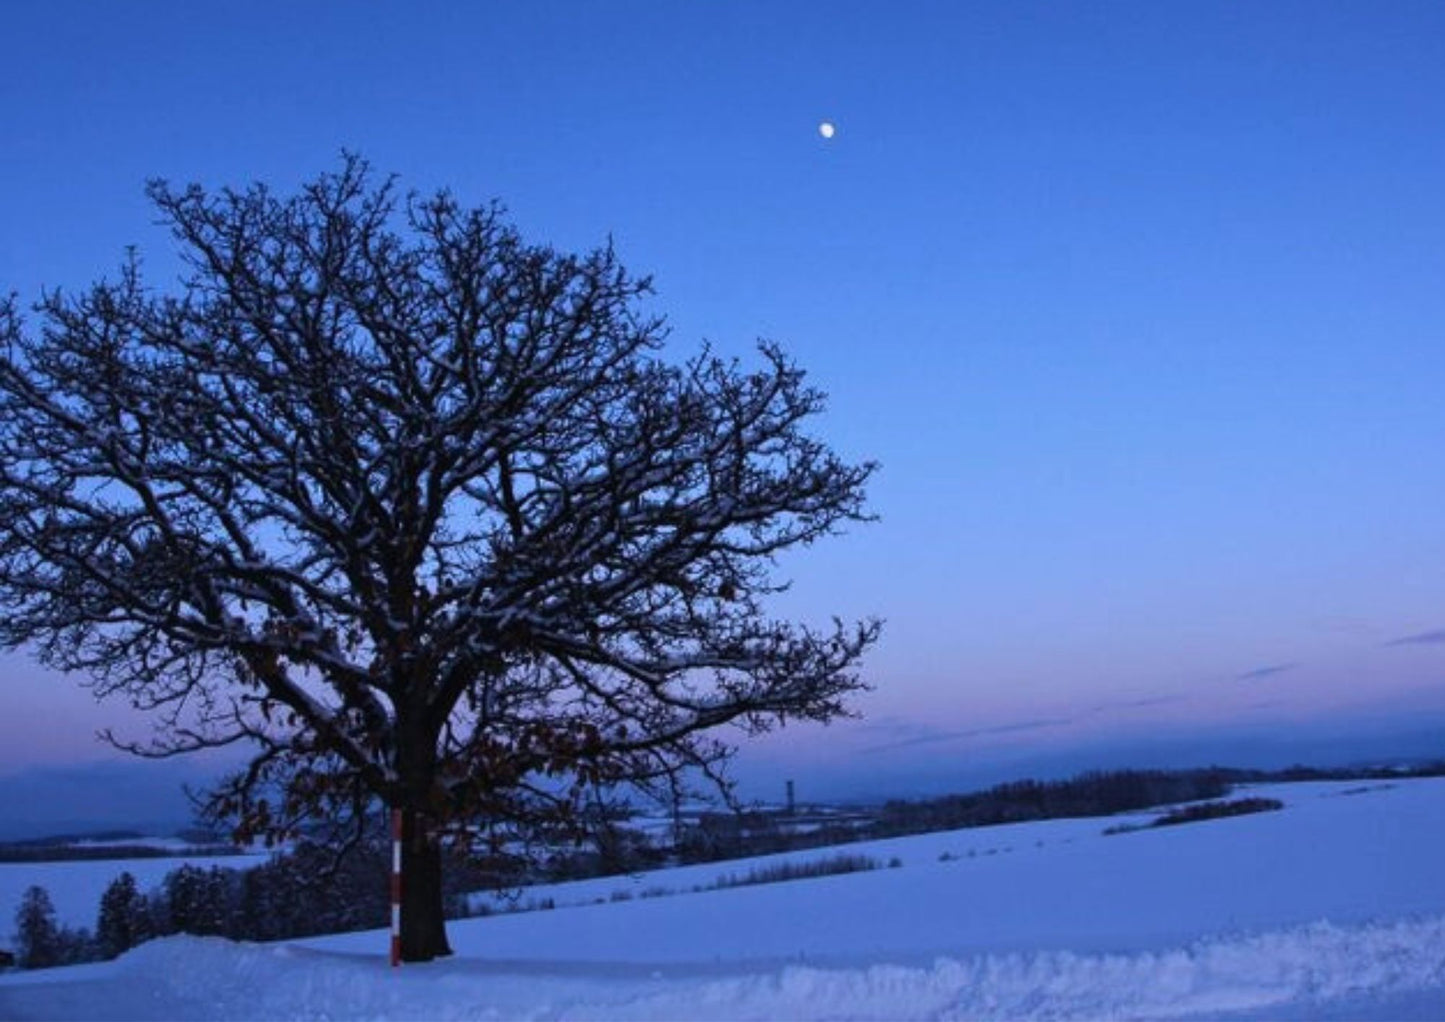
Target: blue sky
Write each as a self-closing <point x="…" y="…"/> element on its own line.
<point x="1140" y="305"/>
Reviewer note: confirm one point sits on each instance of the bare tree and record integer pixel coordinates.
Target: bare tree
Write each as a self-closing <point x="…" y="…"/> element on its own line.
<point x="417" y="510"/>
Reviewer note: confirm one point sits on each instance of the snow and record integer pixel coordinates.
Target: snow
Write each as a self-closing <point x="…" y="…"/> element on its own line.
<point x="1333" y="907"/>
<point x="1394" y="968"/>
<point x="1055" y="884"/>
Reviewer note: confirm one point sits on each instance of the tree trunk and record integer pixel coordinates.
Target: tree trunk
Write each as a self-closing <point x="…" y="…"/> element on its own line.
<point x="423" y="924"/>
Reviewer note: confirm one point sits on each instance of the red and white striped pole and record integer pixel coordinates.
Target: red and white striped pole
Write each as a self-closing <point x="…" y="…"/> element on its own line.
<point x="395" y="888"/>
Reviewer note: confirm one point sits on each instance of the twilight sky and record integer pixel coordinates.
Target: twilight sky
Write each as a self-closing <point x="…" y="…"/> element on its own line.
<point x="1140" y="305"/>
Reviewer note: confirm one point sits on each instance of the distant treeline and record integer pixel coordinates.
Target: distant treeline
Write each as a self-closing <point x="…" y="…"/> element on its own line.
<point x="114" y="844"/>
<point x="1093" y="794"/>
<point x="718" y="836"/>
<point x="29" y="852"/>
<point x="1430" y="768"/>
<point x="1217" y="811"/>
<point x="90" y="835"/>
<point x="1202" y="811"/>
<point x="1104" y="793"/>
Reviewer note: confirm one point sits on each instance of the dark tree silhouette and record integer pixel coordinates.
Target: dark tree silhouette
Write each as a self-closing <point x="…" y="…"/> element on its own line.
<point x="124" y="917"/>
<point x="39" y="941"/>
<point x="416" y="509"/>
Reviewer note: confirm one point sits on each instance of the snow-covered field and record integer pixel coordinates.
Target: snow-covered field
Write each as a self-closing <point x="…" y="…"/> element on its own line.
<point x="1331" y="908"/>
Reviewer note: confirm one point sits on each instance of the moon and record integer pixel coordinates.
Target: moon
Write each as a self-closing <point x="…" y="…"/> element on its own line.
<point x="826" y="129"/>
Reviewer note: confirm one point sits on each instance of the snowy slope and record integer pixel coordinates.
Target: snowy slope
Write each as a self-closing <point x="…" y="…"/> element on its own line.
<point x="1056" y="885"/>
<point x="1333" y="907"/>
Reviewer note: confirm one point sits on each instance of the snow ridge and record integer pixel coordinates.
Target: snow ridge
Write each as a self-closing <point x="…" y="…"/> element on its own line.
<point x="1315" y="964"/>
<point x="1242" y="976"/>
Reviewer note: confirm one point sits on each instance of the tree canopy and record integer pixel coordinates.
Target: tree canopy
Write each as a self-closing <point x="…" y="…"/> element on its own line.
<point x="412" y="509"/>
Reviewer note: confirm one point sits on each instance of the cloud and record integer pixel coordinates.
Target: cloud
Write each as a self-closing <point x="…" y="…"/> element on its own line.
<point x="1434" y="638"/>
<point x="926" y="735"/>
<point x="1264" y="672"/>
<point x="1137" y="704"/>
<point x="1265" y="704"/>
<point x="904" y="733"/>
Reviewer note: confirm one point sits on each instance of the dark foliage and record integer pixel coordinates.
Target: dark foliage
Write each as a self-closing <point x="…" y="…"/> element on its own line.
<point x="309" y="890"/>
<point x="40" y="941"/>
<point x="124" y="919"/>
<point x="785" y="871"/>
<point x="1090" y="794"/>
<point x="200" y="901"/>
<point x="1217" y="810"/>
<point x="1202" y="811"/>
<point x="36" y="931"/>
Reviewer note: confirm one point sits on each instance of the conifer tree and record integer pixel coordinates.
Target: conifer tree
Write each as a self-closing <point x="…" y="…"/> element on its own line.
<point x="39" y="940"/>
<point x="124" y="918"/>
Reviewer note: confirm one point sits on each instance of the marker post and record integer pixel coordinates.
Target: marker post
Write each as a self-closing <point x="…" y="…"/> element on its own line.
<point x="395" y="888"/>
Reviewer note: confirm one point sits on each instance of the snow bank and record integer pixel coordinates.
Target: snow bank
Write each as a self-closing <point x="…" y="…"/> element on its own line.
<point x="1308" y="966"/>
<point x="1306" y="969"/>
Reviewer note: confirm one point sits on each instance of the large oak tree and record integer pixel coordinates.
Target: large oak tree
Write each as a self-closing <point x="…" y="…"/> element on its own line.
<point x="417" y="512"/>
